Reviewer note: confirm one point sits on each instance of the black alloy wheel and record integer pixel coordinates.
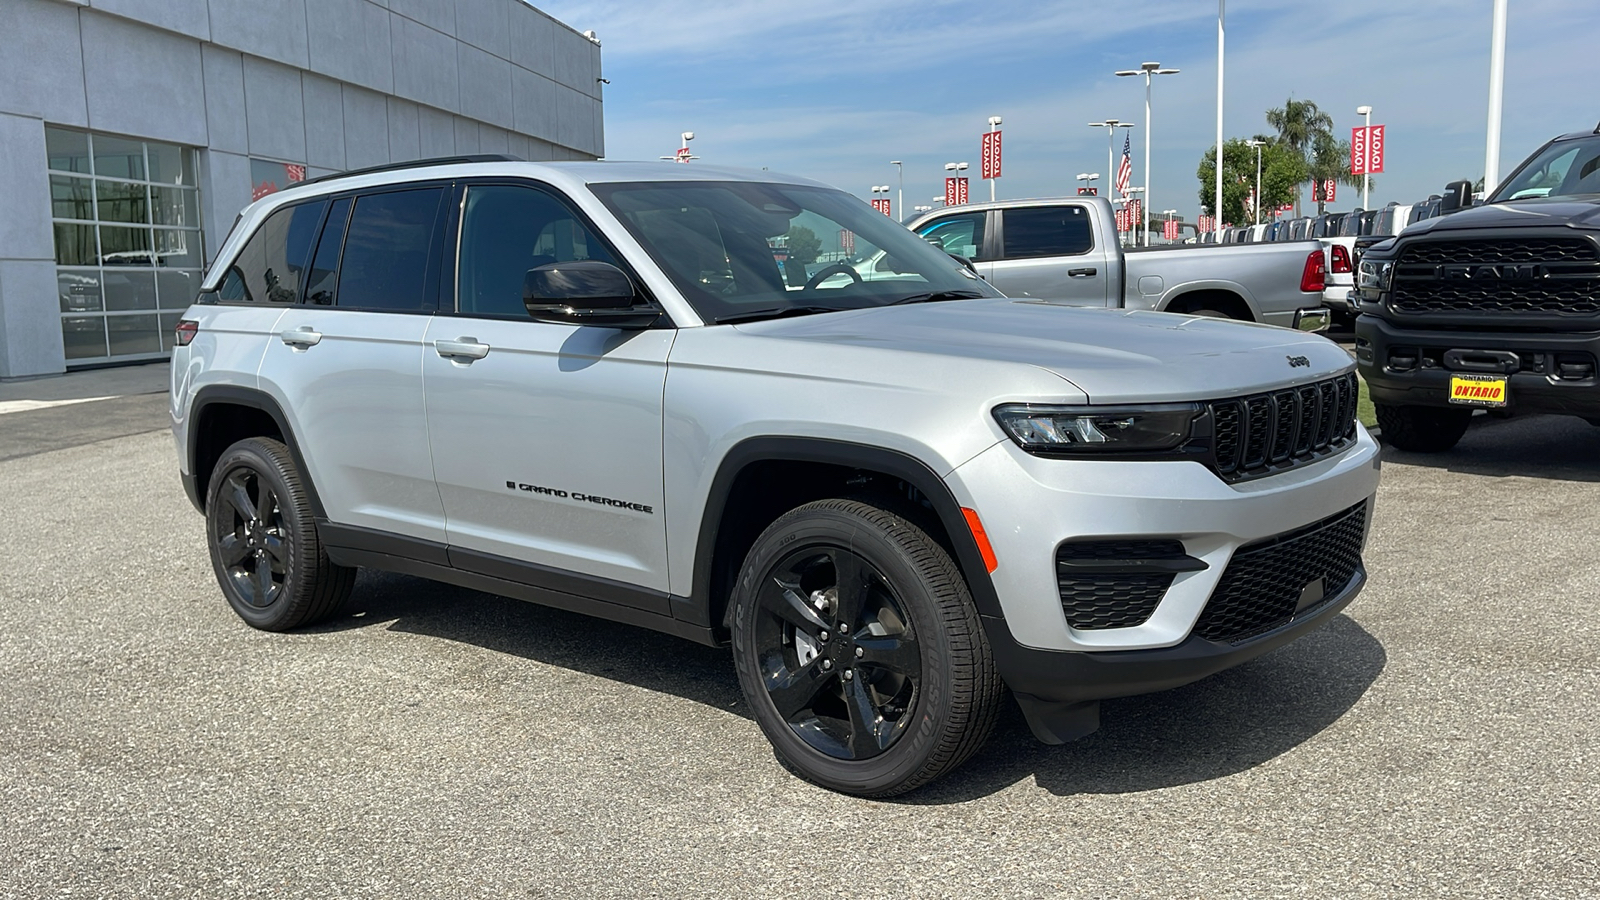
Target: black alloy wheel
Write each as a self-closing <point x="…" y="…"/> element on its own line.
<point x="859" y="649"/>
<point x="264" y="546"/>
<point x="838" y="659"/>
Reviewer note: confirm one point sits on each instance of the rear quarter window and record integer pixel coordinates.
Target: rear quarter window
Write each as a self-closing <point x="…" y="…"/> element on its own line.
<point x="271" y="266"/>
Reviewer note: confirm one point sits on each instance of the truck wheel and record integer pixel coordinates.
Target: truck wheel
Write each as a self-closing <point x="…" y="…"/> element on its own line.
<point x="263" y="540"/>
<point x="860" y="651"/>
<point x="1422" y="429"/>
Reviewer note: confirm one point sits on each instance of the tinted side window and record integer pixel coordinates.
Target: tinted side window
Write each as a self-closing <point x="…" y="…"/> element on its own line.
<point x="1050" y="231"/>
<point x="507" y="230"/>
<point x="961" y="235"/>
<point x="325" y="263"/>
<point x="270" y="267"/>
<point x="387" y="251"/>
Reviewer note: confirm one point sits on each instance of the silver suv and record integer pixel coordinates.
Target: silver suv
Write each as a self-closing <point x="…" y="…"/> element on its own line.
<point x="669" y="396"/>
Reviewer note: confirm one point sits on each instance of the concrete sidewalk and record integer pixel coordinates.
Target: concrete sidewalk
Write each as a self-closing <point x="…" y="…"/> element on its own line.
<point x="120" y="381"/>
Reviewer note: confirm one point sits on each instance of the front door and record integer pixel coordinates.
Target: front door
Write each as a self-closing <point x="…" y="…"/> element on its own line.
<point x="546" y="438"/>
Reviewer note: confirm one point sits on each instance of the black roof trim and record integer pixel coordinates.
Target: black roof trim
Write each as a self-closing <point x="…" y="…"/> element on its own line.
<point x="412" y="164"/>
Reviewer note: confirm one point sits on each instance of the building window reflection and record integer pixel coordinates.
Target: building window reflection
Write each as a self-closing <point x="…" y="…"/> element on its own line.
<point x="129" y="252"/>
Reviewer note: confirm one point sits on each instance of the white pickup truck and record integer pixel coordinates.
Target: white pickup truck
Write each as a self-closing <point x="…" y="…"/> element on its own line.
<point x="1067" y="250"/>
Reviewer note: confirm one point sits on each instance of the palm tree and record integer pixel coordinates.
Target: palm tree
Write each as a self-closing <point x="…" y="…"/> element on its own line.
<point x="1330" y="161"/>
<point x="1299" y="123"/>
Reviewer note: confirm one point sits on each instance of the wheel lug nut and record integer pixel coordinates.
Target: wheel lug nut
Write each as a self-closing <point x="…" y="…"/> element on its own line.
<point x="849" y="674"/>
<point x="860" y="652"/>
<point x="822" y="635"/>
<point x="827" y="664"/>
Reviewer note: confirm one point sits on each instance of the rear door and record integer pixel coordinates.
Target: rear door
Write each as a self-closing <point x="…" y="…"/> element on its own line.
<point x="1050" y="252"/>
<point x="347" y="360"/>
<point x="546" y="438"/>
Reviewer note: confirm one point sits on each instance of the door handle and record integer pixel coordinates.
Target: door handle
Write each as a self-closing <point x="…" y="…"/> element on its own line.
<point x="462" y="349"/>
<point x="1080" y="273"/>
<point x="301" y="338"/>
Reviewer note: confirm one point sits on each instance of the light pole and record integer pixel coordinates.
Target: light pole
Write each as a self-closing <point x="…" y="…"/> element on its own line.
<point x="1497" y="77"/>
<point x="1132" y="195"/>
<point x="1147" y="69"/>
<point x="994" y="125"/>
<point x="1111" y="126"/>
<point x="1366" y="180"/>
<point x="957" y="168"/>
<point x="1088" y="177"/>
<point x="1255" y="206"/>
<point x="879" y="189"/>
<point x="901" y="170"/>
<point x="1221" y="9"/>
<point x="683" y="149"/>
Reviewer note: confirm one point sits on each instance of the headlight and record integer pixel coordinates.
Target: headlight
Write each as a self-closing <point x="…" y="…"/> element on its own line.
<point x="1089" y="430"/>
<point x="1374" y="275"/>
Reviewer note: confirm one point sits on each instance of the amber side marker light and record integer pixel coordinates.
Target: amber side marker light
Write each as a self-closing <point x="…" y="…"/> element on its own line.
<point x="981" y="538"/>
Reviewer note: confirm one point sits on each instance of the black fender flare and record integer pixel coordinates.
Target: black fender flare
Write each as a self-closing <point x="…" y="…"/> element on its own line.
<point x="893" y="463"/>
<point x="253" y="398"/>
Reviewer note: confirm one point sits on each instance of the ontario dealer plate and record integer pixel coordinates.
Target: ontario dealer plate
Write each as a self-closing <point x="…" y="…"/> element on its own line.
<point x="1478" y="390"/>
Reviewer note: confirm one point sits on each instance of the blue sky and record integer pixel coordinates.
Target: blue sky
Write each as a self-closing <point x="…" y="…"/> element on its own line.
<point x="833" y="90"/>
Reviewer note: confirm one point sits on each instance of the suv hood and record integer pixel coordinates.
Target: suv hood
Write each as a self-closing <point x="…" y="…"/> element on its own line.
<point x="1546" y="212"/>
<point x="1112" y="355"/>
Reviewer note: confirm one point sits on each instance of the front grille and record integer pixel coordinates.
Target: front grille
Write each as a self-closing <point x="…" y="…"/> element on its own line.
<point x="1264" y="433"/>
<point x="1097" y="600"/>
<point x="1265" y="581"/>
<point x="1553" y="276"/>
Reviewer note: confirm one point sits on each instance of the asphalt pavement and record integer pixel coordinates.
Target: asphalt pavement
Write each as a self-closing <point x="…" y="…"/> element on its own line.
<point x="1437" y="740"/>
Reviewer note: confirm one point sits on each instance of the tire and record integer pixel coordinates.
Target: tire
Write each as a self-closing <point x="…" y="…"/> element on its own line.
<point x="1209" y="313"/>
<point x="872" y="692"/>
<point x="1422" y="429"/>
<point x="263" y="540"/>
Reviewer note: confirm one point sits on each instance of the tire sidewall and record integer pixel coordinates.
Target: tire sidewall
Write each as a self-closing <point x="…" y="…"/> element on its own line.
<point x="924" y="735"/>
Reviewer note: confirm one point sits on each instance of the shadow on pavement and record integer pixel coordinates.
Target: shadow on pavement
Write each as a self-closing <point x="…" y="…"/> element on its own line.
<point x="1223" y="725"/>
<point x="1564" y="448"/>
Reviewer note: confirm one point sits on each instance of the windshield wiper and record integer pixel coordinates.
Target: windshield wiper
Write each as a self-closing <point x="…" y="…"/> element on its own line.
<point x="935" y="296"/>
<point x="778" y="312"/>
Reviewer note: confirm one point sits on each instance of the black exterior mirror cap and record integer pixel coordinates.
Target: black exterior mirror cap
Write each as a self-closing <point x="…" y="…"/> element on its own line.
<point x="582" y="284"/>
<point x="1457" y="195"/>
<point x="633" y="317"/>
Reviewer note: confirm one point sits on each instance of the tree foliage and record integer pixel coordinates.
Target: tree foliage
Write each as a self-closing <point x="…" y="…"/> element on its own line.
<point x="804" y="245"/>
<point x="1282" y="171"/>
<point x="1307" y="129"/>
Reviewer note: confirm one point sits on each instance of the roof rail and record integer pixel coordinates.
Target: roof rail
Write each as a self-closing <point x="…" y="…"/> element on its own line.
<point x="411" y="164"/>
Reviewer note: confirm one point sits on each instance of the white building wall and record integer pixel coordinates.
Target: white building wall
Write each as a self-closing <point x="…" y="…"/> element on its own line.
<point x="331" y="84"/>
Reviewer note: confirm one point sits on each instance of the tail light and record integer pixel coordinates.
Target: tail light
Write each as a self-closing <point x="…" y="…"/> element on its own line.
<point x="185" y="332"/>
<point x="1341" y="260"/>
<point x="1315" y="276"/>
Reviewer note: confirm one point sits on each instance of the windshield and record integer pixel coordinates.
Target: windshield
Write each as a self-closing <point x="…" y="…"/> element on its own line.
<point x="744" y="250"/>
<point x="1561" y="169"/>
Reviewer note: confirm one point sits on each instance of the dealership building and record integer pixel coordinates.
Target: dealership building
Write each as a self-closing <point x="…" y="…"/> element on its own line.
<point x="133" y="131"/>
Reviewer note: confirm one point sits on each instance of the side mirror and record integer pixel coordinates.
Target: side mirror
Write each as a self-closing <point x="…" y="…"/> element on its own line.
<point x="964" y="261"/>
<point x="585" y="292"/>
<point x="1457" y="194"/>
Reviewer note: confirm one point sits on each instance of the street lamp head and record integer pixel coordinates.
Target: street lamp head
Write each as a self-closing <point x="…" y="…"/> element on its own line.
<point x="1363" y="110"/>
<point x="1166" y="71"/>
<point x="949" y="167"/>
<point x="961" y="165"/>
<point x="688" y="135"/>
<point x="894" y="162"/>
<point x="1255" y="143"/>
<point x="994" y="120"/>
<point x="1124" y="73"/>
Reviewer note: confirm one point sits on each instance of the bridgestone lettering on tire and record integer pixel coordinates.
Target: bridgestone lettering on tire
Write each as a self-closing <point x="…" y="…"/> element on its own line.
<point x="860" y="651"/>
<point x="263" y="540"/>
<point x="1422" y="429"/>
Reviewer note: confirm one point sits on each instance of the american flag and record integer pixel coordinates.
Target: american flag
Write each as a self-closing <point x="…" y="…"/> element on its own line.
<point x="1125" y="169"/>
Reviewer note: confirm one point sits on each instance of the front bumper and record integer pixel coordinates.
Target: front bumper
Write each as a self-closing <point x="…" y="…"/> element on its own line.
<point x="1532" y="363"/>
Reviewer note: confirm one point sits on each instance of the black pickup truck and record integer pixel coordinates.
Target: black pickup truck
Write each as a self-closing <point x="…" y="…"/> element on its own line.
<point x="1494" y="306"/>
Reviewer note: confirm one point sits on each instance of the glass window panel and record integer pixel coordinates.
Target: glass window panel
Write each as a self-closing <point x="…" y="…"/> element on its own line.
<point x="175" y="206"/>
<point x="1047" y="231"/>
<point x="133" y="334"/>
<point x="75" y="245"/>
<point x="169" y="323"/>
<point x="68" y="150"/>
<point x="505" y="232"/>
<point x="119" y="201"/>
<point x="271" y="177"/>
<point x="386" y="248"/>
<point x="71" y="198"/>
<point x="170" y="164"/>
<point x="961" y="235"/>
<point x="176" y="289"/>
<point x="124" y="246"/>
<point x="129" y="289"/>
<point x="325" y="265"/>
<point x="79" y="291"/>
<point x="118" y="157"/>
<point x="84" y="336"/>
<point x="178" y="249"/>
<point x="269" y="268"/>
